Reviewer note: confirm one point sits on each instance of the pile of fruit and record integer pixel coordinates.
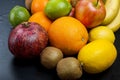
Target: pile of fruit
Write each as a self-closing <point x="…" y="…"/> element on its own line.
<point x="70" y="36"/>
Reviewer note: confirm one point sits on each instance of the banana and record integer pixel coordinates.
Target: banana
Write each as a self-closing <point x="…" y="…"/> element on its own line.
<point x="112" y="7"/>
<point x="115" y="24"/>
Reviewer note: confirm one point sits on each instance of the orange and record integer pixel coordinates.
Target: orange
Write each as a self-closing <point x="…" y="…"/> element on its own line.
<point x="41" y="18"/>
<point x="68" y="34"/>
<point x="38" y="5"/>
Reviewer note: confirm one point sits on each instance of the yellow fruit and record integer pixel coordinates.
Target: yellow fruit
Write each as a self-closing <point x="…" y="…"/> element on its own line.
<point x="97" y="56"/>
<point x="101" y="32"/>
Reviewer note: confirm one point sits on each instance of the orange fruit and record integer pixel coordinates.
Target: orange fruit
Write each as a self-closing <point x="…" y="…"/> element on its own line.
<point x="38" y="5"/>
<point x="68" y="34"/>
<point x="41" y="18"/>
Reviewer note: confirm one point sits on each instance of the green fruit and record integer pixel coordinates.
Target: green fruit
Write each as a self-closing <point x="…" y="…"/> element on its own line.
<point x="57" y="8"/>
<point x="17" y="15"/>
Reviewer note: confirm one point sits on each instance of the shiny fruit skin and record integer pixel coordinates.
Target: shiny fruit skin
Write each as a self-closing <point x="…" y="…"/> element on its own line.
<point x="115" y="24"/>
<point x="17" y="15"/>
<point x="90" y="13"/>
<point x="57" y="8"/>
<point x="27" y="40"/>
<point x="68" y="34"/>
<point x="97" y="56"/>
<point x="72" y="12"/>
<point x="111" y="11"/>
<point x="101" y="32"/>
<point x="38" y="5"/>
<point x="42" y="19"/>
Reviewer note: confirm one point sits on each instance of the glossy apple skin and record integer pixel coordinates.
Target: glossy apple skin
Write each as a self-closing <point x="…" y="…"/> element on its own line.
<point x="72" y="12"/>
<point x="89" y="14"/>
<point x="27" y="40"/>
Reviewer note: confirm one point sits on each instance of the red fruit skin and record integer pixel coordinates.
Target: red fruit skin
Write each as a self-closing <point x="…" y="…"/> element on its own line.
<point x="27" y="40"/>
<point x="72" y="12"/>
<point x="89" y="14"/>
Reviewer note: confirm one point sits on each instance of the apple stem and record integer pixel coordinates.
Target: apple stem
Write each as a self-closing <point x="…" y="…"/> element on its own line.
<point x="97" y="2"/>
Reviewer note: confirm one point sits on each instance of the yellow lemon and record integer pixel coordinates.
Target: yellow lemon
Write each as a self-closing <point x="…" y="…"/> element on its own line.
<point x="97" y="56"/>
<point x="101" y="32"/>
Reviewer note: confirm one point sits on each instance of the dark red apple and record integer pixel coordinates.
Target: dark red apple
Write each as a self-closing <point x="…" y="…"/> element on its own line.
<point x="27" y="40"/>
<point x="90" y="12"/>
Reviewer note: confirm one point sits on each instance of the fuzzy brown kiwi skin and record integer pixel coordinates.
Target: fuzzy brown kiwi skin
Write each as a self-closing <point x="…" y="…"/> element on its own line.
<point x="69" y="69"/>
<point x="50" y="56"/>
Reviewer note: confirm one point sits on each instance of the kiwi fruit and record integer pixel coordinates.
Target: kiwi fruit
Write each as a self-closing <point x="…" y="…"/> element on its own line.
<point x="69" y="68"/>
<point x="50" y="56"/>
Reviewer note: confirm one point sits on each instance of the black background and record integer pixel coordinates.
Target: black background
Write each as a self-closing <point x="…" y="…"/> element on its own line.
<point x="14" y="69"/>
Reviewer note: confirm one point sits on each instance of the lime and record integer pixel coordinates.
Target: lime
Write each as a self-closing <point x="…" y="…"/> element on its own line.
<point x="97" y="56"/>
<point x="57" y="8"/>
<point x="17" y="15"/>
